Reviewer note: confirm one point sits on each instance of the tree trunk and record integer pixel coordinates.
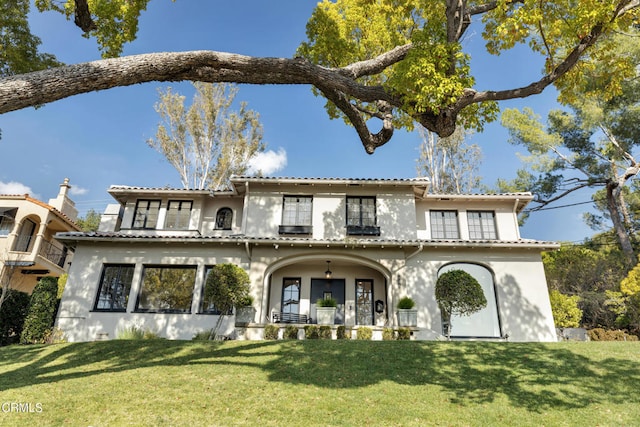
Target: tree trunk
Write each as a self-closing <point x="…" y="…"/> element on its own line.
<point x="621" y="232"/>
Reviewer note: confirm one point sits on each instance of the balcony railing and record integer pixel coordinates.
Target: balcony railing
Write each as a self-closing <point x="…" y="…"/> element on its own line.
<point x="53" y="253"/>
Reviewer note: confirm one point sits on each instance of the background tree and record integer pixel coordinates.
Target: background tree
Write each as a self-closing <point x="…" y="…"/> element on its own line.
<point x="450" y="164"/>
<point x="625" y="302"/>
<point x="588" y="272"/>
<point x="90" y="222"/>
<point x="388" y="62"/>
<point x="458" y="293"/>
<point x="208" y="142"/>
<point x="591" y="147"/>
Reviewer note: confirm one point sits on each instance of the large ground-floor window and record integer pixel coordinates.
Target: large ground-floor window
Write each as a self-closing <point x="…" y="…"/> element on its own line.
<point x="486" y="322"/>
<point x="167" y="289"/>
<point x="115" y="284"/>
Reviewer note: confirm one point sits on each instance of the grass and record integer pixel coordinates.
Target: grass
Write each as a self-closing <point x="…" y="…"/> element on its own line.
<point x="319" y="382"/>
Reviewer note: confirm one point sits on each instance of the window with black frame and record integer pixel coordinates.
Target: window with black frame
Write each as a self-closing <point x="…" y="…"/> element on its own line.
<point x="296" y="215"/>
<point x="146" y="214"/>
<point x="115" y="284"/>
<point x="224" y="219"/>
<point x="361" y="216"/>
<point x="178" y="215"/>
<point x="167" y="289"/>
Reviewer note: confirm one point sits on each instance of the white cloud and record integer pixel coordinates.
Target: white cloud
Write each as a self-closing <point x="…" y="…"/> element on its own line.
<point x="268" y="162"/>
<point x="77" y="191"/>
<point x="15" y="188"/>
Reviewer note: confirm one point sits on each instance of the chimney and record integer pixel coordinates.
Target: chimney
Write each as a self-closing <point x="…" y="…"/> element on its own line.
<point x="63" y="203"/>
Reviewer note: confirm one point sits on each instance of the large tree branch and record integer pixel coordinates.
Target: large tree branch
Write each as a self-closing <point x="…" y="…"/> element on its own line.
<point x="41" y="87"/>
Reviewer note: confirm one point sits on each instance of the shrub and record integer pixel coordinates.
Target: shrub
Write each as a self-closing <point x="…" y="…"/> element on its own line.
<point x="55" y="336"/>
<point x="327" y="302"/>
<point x="201" y="336"/>
<point x="130" y="333"/>
<point x="387" y="334"/>
<point x="271" y="332"/>
<point x="324" y="332"/>
<point x="364" y="333"/>
<point x="404" y="334"/>
<point x="343" y="333"/>
<point x="600" y="334"/>
<point x="565" y="310"/>
<point x="41" y="312"/>
<point x="290" y="332"/>
<point x="406" y="303"/>
<point x="311" y="332"/>
<point x="12" y="315"/>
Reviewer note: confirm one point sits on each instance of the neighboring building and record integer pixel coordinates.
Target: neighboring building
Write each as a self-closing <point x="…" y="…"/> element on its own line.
<point x="28" y="250"/>
<point x="365" y="242"/>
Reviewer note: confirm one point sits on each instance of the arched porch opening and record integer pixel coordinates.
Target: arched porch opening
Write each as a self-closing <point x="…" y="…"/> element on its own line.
<point x="360" y="286"/>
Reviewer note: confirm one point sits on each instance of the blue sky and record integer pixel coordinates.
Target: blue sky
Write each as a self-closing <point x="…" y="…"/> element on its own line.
<point x="98" y="139"/>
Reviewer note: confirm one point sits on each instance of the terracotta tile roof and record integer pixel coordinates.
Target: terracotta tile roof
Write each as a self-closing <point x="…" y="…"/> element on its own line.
<point x="195" y="237"/>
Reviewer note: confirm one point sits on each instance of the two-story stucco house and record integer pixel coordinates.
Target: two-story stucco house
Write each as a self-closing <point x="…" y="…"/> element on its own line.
<point x="365" y="242"/>
<point x="28" y="250"/>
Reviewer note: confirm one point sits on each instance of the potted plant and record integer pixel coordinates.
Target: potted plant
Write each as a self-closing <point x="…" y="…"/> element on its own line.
<point x="407" y="314"/>
<point x="326" y="311"/>
<point x="245" y="313"/>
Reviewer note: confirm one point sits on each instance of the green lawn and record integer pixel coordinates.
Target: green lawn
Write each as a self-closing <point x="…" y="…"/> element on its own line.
<point x="317" y="382"/>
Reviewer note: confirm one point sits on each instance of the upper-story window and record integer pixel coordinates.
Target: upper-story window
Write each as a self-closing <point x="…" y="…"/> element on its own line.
<point x="296" y="215"/>
<point x="224" y="219"/>
<point x="361" y="216"/>
<point x="178" y="215"/>
<point x="444" y="225"/>
<point x="25" y="237"/>
<point x="146" y="214"/>
<point x="7" y="220"/>
<point x="482" y="225"/>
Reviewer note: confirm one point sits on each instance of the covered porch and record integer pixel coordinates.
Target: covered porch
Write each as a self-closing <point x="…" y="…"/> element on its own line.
<point x="360" y="286"/>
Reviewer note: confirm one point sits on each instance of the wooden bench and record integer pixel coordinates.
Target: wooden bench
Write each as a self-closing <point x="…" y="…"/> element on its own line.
<point x="281" y="317"/>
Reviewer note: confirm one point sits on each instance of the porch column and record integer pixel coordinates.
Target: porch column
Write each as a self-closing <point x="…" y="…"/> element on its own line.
<point x="391" y="312"/>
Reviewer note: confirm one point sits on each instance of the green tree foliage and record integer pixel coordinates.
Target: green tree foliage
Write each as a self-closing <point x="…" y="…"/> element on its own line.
<point x="592" y="147"/>
<point x="90" y="222"/>
<point x="113" y="23"/>
<point x="588" y="273"/>
<point x="41" y="312"/>
<point x="458" y="293"/>
<point x="227" y="286"/>
<point x="566" y="313"/>
<point x="626" y="302"/>
<point x="12" y="315"/>
<point x="18" y="47"/>
<point x="208" y="142"/>
<point x="450" y="164"/>
<point x="384" y="62"/>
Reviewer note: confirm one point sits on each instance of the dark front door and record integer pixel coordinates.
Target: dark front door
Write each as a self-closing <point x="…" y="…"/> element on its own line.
<point x="323" y="288"/>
